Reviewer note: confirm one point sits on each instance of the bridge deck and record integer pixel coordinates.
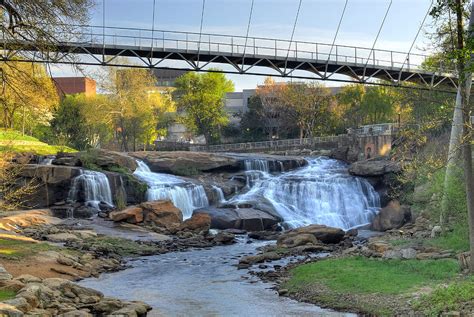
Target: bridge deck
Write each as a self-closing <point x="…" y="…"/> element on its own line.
<point x="256" y="56"/>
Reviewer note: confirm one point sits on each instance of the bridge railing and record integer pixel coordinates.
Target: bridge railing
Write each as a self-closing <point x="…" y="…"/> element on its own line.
<point x="277" y="144"/>
<point x="205" y="43"/>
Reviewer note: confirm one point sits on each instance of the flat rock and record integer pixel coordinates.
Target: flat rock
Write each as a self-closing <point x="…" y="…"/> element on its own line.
<point x="374" y="167"/>
<point x="242" y="218"/>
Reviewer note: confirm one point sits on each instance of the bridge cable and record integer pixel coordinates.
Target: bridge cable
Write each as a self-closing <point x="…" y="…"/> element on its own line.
<point x="337" y="30"/>
<point x="334" y="39"/>
<point x="103" y="31"/>
<point x="200" y="32"/>
<point x="292" y="34"/>
<point x="416" y="37"/>
<point x="247" y="35"/>
<point x="377" y="37"/>
<point x="153" y="33"/>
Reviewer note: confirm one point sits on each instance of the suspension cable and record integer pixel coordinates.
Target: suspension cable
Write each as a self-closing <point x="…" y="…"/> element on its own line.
<point x="153" y="30"/>
<point x="416" y="36"/>
<point x="293" y="32"/>
<point x="378" y="33"/>
<point x="248" y="30"/>
<point x="200" y="31"/>
<point x="337" y="30"/>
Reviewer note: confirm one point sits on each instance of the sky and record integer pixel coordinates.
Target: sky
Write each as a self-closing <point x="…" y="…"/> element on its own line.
<point x="317" y="22"/>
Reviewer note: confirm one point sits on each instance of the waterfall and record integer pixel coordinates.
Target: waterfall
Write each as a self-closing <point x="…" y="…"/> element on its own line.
<point x="257" y="165"/>
<point x="47" y="160"/>
<point x="320" y="193"/>
<point x="94" y="186"/>
<point x="219" y="193"/>
<point x="185" y="195"/>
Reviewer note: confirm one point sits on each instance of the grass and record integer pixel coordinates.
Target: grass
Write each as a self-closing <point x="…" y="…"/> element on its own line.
<point x="119" y="246"/>
<point x="6" y="294"/>
<point x="13" y="141"/>
<point x="457" y="239"/>
<point x="455" y="297"/>
<point x="362" y="275"/>
<point x="11" y="249"/>
<point x="368" y="286"/>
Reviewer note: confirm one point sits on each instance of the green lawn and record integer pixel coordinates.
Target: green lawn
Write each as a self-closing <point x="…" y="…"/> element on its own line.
<point x="11" y="140"/>
<point x="363" y="275"/>
<point x="13" y="249"/>
<point x="5" y="294"/>
<point x="454" y="297"/>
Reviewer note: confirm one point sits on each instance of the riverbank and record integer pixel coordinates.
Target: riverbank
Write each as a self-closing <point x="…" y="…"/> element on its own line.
<point x="401" y="272"/>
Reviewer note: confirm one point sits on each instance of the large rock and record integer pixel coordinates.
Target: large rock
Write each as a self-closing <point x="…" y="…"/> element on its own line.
<point x="162" y="213"/>
<point x="302" y="235"/>
<point x="249" y="219"/>
<point x="110" y="159"/>
<point x="393" y="216"/>
<point x="199" y="223"/>
<point x="374" y="167"/>
<point x="186" y="163"/>
<point x="132" y="214"/>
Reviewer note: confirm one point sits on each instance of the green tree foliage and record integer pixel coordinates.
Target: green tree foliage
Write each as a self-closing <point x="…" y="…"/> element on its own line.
<point x="28" y="95"/>
<point x="82" y="121"/>
<point x="200" y="98"/>
<point x="136" y="105"/>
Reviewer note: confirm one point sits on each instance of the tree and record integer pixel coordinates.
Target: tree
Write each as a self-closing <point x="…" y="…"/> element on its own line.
<point x="349" y="101"/>
<point x="309" y="106"/>
<point x="461" y="133"/>
<point x="27" y="92"/>
<point x="200" y="98"/>
<point x="83" y="121"/>
<point x="136" y="105"/>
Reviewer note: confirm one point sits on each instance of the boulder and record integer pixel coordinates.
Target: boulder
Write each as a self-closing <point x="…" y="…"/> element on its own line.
<point x="110" y="159"/>
<point x="186" y="163"/>
<point x="292" y="241"/>
<point x="374" y="167"/>
<point x="132" y="214"/>
<point x="348" y="154"/>
<point x="224" y="238"/>
<point x="249" y="219"/>
<point x="393" y="216"/>
<point x="62" y="237"/>
<point x="10" y="311"/>
<point x="162" y="213"/>
<point x="197" y="223"/>
<point x="4" y="275"/>
<point x="321" y="233"/>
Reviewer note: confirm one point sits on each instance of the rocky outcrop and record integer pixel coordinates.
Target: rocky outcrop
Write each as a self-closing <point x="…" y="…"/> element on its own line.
<point x="186" y="163"/>
<point x="161" y="213"/>
<point x="106" y="160"/>
<point x="199" y="223"/>
<point x="312" y="234"/>
<point x="374" y="167"/>
<point x="56" y="296"/>
<point x="393" y="216"/>
<point x="249" y="219"/>
<point x="348" y="154"/>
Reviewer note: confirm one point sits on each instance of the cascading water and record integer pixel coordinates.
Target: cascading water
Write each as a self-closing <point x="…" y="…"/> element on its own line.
<point x="257" y="165"/>
<point x="185" y="196"/>
<point x="320" y="193"/>
<point x="219" y="193"/>
<point x="94" y="186"/>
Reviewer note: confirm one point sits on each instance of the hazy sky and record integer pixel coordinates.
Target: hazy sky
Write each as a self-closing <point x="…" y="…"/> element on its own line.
<point x="317" y="22"/>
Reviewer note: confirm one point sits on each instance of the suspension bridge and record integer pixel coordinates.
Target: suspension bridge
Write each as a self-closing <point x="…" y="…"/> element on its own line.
<point x="197" y="51"/>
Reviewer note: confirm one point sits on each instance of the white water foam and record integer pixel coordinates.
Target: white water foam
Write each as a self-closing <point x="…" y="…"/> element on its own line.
<point x="185" y="196"/>
<point x="95" y="186"/>
<point x="320" y="193"/>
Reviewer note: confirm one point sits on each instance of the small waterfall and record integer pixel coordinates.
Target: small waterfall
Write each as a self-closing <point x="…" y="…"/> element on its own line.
<point x="257" y="165"/>
<point x="185" y="196"/>
<point x="219" y="193"/>
<point x="47" y="160"/>
<point x="94" y="186"/>
<point x="320" y="193"/>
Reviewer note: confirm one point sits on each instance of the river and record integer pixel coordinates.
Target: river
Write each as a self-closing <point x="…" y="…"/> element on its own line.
<point x="202" y="282"/>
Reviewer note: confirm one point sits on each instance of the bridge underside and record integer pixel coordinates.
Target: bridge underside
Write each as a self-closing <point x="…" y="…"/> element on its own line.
<point x="147" y="57"/>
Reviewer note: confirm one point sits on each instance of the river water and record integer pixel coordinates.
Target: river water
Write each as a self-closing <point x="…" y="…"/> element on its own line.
<point x="201" y="283"/>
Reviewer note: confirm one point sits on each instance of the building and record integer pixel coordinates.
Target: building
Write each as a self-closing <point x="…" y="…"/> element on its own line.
<point x="75" y="85"/>
<point x="166" y="77"/>
<point x="236" y="103"/>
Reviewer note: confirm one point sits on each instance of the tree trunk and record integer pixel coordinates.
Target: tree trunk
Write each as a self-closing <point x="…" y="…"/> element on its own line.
<point x="467" y="139"/>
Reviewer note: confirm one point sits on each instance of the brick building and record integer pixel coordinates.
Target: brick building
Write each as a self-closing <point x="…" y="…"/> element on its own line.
<point x="75" y="85"/>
